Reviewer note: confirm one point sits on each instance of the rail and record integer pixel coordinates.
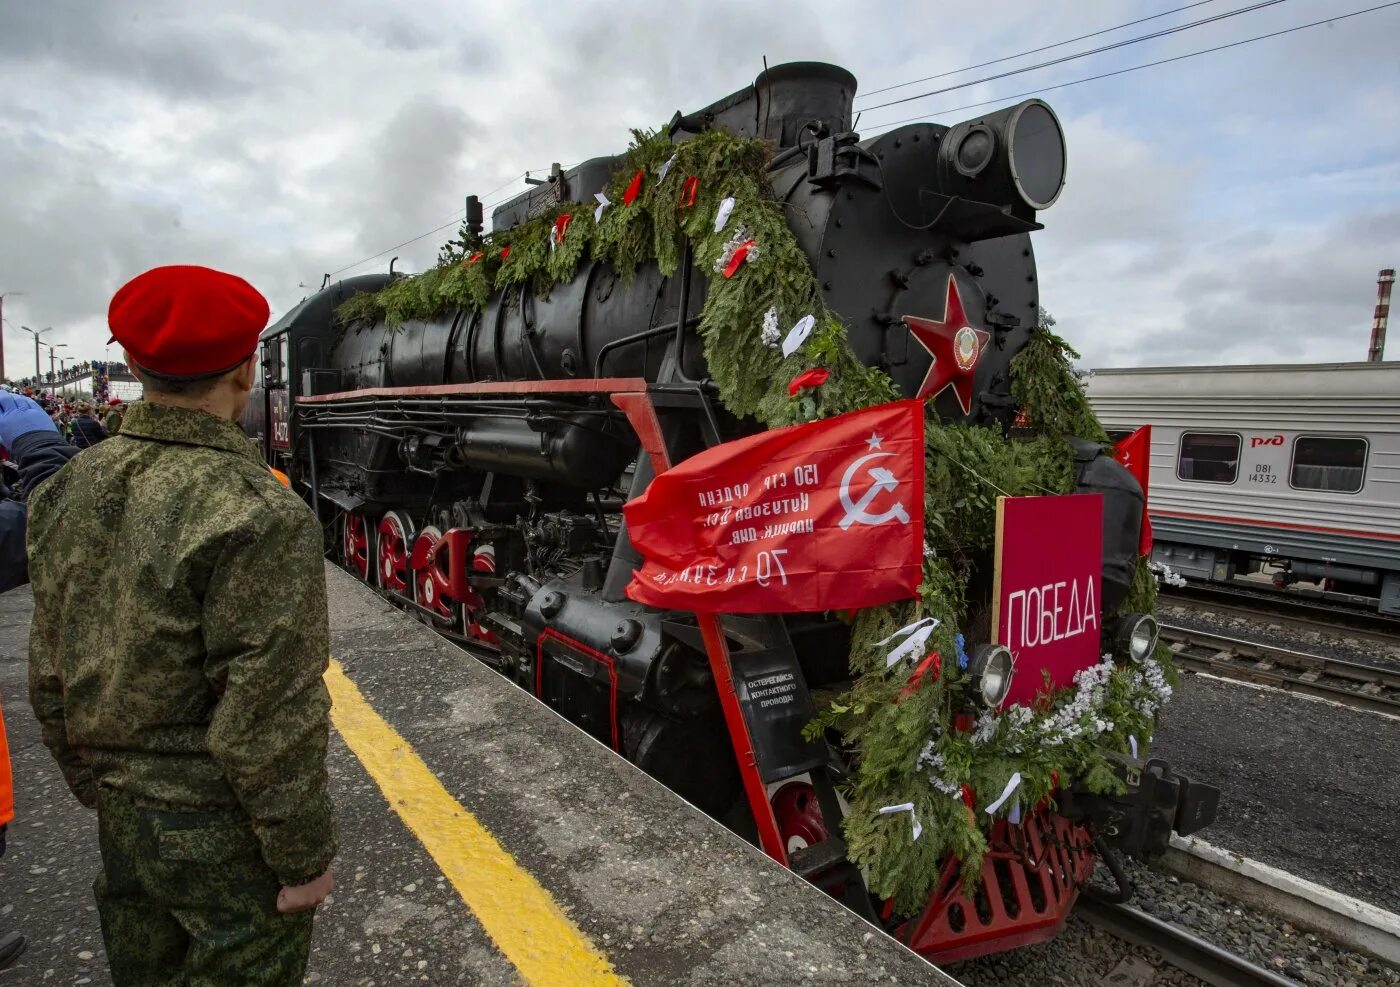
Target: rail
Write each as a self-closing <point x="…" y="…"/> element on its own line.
<point x="1351" y="683"/>
<point x="1182" y="949"/>
<point x="1312" y="613"/>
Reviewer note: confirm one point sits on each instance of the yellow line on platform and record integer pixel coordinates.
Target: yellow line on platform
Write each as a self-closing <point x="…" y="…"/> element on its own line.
<point x="519" y="915"/>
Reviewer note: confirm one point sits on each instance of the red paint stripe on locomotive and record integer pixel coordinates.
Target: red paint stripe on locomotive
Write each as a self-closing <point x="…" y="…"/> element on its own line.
<point x="594" y="385"/>
<point x="1287" y="525"/>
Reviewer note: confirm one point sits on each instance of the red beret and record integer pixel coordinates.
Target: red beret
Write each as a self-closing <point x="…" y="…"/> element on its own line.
<point x="187" y="321"/>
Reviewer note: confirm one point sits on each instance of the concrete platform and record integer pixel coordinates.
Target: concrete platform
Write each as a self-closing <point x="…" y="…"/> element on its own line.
<point x="661" y="892"/>
<point x="1306" y="786"/>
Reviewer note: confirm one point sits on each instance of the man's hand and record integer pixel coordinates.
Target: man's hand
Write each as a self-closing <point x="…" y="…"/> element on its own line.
<point x="20" y="415"/>
<point x="305" y="896"/>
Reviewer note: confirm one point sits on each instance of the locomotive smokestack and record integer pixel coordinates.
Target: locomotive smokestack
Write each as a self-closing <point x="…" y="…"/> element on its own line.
<point x="1383" y="282"/>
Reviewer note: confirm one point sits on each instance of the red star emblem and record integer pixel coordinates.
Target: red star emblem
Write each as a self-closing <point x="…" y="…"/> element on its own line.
<point x="955" y="346"/>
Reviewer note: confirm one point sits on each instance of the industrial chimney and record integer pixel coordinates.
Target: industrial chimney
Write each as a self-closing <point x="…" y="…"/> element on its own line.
<point x="1383" y="282"/>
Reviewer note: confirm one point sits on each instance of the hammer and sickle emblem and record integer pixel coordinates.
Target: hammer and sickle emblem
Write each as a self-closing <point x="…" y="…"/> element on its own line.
<point x="883" y="482"/>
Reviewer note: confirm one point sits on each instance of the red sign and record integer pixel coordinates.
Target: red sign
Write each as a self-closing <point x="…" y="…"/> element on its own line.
<point x="1135" y="452"/>
<point x="822" y="516"/>
<point x="1049" y="575"/>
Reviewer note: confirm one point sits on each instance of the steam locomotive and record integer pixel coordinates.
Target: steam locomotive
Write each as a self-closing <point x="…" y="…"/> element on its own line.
<point x="473" y="467"/>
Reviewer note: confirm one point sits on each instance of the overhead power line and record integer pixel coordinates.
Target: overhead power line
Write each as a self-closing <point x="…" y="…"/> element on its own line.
<point x="1083" y="54"/>
<point x="455" y="219"/>
<point x="1035" y="51"/>
<point x="1134" y="68"/>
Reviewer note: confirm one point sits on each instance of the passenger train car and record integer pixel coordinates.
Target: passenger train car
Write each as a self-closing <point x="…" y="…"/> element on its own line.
<point x="1295" y="465"/>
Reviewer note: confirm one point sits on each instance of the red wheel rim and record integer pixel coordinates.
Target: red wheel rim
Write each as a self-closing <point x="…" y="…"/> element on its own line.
<point x="392" y="558"/>
<point x="355" y="544"/>
<point x="430" y="582"/>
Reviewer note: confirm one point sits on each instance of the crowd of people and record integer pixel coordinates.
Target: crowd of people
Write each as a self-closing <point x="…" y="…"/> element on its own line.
<point x="97" y="369"/>
<point x="83" y="423"/>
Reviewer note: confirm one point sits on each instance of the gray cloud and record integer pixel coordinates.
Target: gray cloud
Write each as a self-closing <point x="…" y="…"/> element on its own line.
<point x="1233" y="209"/>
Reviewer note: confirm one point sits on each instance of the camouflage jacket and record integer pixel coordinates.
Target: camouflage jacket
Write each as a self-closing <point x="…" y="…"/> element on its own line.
<point x="180" y="631"/>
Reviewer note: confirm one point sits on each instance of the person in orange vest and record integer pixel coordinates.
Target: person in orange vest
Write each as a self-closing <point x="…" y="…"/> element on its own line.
<point x="11" y="943"/>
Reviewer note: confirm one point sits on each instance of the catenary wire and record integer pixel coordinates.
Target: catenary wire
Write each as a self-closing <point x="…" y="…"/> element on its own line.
<point x="880" y="127"/>
<point x="1034" y="51"/>
<point x="455" y="219"/>
<point x="1082" y="54"/>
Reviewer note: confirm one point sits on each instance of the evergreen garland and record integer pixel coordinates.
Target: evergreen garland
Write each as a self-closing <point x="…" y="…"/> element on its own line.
<point x="904" y="744"/>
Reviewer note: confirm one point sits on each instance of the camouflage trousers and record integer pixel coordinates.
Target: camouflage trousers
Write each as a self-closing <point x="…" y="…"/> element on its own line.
<point x="186" y="899"/>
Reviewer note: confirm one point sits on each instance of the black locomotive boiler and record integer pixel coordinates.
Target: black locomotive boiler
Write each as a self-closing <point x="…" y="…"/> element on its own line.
<point x="473" y="466"/>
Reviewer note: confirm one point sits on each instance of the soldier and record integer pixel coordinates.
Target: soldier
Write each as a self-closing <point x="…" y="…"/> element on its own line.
<point x="181" y="693"/>
<point x="113" y="424"/>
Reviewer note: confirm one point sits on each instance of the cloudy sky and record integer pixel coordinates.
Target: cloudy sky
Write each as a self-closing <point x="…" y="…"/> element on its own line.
<point x="1233" y="207"/>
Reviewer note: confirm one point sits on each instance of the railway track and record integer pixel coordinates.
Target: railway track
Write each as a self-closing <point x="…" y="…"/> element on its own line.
<point x="1350" y="683"/>
<point x="1182" y="949"/>
<point x="1292" y="609"/>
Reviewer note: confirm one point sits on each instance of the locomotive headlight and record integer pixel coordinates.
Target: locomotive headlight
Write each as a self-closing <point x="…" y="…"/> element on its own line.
<point x="1136" y="636"/>
<point x="1012" y="158"/>
<point x="991" y="670"/>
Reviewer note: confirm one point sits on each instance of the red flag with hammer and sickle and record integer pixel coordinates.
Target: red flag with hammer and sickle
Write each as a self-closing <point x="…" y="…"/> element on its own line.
<point x="823" y="516"/>
<point x="1135" y="452"/>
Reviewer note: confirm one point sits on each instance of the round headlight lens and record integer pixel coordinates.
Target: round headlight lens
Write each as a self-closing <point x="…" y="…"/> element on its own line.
<point x="992" y="671"/>
<point x="1137" y="635"/>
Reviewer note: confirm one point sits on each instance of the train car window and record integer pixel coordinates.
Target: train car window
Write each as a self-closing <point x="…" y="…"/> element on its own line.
<point x="284" y="362"/>
<point x="1209" y="457"/>
<point x="1117" y="435"/>
<point x="1326" y="462"/>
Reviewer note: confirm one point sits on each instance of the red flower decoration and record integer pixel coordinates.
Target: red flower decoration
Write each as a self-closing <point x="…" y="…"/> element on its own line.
<point x="815" y="377"/>
<point x="634" y="189"/>
<point x="689" y="189"/>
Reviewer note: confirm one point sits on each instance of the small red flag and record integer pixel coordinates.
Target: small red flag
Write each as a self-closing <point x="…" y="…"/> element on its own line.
<point x="815" y="377"/>
<point x="688" y="191"/>
<point x="474" y="258"/>
<point x="1135" y="452"/>
<point x="505" y="252"/>
<point x="823" y="516"/>
<point x="561" y="226"/>
<point x="737" y="258"/>
<point x="634" y="189"/>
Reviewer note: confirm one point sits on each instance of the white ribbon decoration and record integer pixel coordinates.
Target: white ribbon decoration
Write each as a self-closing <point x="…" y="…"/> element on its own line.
<point x="1132" y="743"/>
<point x="909" y="808"/>
<point x="661" y="176"/>
<point x="603" y="203"/>
<point x="722" y="215"/>
<point x="798" y="334"/>
<point x="1011" y="786"/>
<point x="1014" y="816"/>
<point x="917" y="633"/>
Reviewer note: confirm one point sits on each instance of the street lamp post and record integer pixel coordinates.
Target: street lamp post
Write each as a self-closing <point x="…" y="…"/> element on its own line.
<point x="36" y="333"/>
<point x="63" y="387"/>
<point x="3" y="296"/>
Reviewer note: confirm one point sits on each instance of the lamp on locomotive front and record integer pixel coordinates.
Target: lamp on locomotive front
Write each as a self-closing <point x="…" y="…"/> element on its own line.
<point x="1014" y="158"/>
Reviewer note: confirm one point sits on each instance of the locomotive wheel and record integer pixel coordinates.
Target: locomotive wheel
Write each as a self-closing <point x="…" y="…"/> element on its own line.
<point x="429" y="581"/>
<point x="395" y="541"/>
<point x="354" y="543"/>
<point x="799" y="815"/>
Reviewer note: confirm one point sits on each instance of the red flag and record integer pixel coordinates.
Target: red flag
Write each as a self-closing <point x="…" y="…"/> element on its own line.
<point x="822" y="516"/>
<point x="1135" y="452"/>
<point x="561" y="226"/>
